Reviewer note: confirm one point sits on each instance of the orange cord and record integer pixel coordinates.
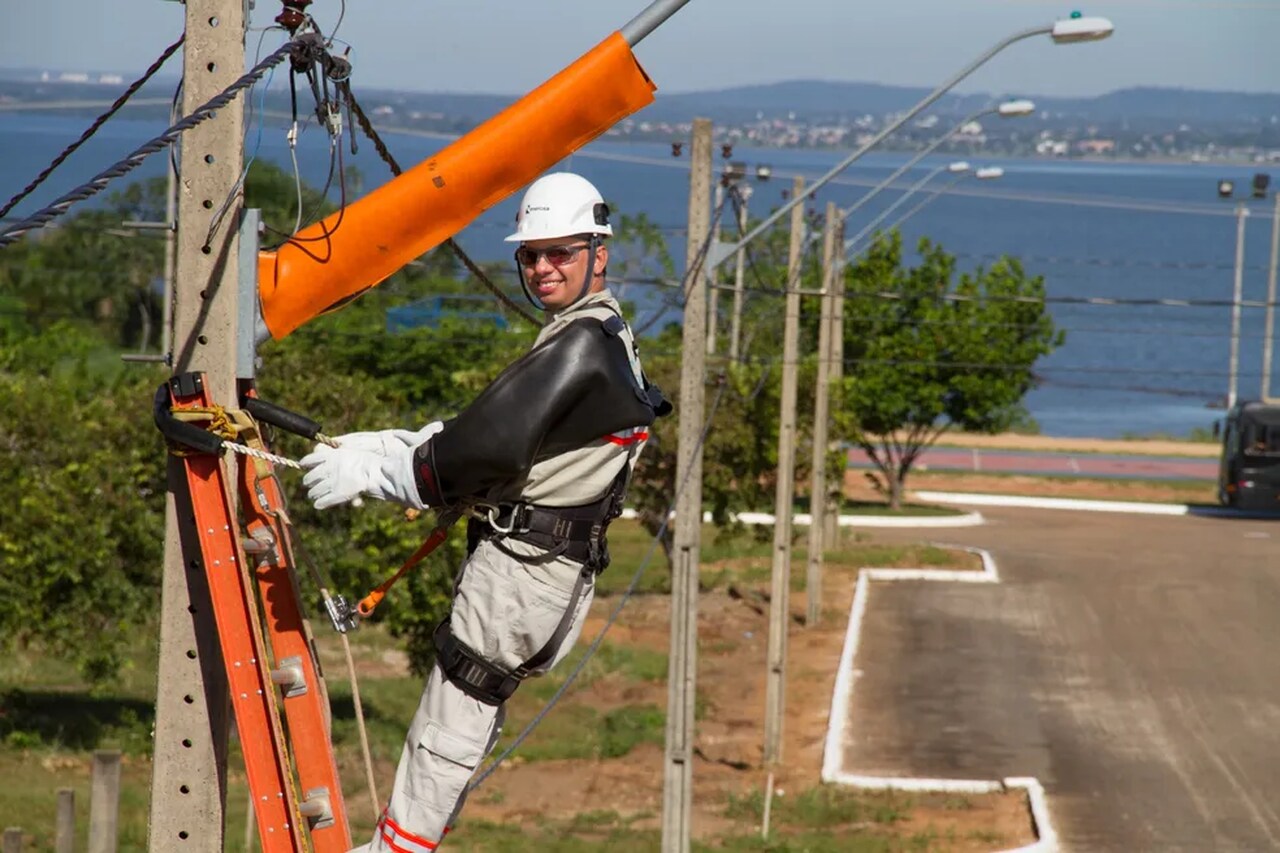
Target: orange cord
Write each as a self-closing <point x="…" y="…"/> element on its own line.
<point x="370" y="601"/>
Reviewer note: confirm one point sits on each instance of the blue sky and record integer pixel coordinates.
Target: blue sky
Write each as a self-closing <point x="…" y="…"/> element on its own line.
<point x="508" y="46"/>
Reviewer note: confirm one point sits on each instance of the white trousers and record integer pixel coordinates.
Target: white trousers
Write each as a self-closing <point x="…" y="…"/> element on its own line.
<point x="505" y="610"/>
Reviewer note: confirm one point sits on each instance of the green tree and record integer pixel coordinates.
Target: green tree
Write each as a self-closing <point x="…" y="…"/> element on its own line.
<point x="83" y="489"/>
<point x="740" y="451"/>
<point x="926" y="351"/>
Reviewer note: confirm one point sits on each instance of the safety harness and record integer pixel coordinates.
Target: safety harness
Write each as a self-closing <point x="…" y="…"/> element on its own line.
<point x="576" y="533"/>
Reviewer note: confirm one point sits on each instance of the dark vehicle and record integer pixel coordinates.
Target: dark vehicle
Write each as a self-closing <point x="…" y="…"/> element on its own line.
<point x="1249" y="477"/>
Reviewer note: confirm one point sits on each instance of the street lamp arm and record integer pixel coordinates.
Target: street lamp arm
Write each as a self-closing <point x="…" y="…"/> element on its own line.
<point x="928" y="200"/>
<point x="649" y="19"/>
<point x="884" y="214"/>
<point x="901" y="170"/>
<point x="924" y="104"/>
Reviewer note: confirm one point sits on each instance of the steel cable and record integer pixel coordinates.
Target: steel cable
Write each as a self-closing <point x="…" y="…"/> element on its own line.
<point x="93" y="128"/>
<point x="96" y="184"/>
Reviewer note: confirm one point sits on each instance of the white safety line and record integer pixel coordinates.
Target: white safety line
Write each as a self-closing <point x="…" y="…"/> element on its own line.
<point x="847" y="674"/>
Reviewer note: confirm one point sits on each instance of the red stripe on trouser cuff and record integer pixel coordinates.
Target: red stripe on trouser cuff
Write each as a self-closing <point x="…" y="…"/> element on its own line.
<point x="627" y="439"/>
<point x="402" y="841"/>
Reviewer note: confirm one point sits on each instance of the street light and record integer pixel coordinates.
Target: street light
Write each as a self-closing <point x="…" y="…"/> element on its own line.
<point x="1074" y="29"/>
<point x="985" y="173"/>
<point x="1008" y="109"/>
<point x="960" y="169"/>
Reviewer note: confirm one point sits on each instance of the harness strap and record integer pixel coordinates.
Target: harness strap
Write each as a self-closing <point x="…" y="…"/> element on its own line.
<point x="486" y="681"/>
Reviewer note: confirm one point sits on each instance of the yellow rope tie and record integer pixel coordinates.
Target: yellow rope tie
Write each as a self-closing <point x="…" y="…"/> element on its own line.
<point x="229" y="425"/>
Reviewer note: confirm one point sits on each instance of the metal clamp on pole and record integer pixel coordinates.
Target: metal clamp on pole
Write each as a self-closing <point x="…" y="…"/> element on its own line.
<point x="278" y="416"/>
<point x="177" y="431"/>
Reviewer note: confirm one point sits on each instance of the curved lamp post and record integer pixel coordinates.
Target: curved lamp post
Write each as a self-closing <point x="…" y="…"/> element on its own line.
<point x="1067" y="31"/>
<point x="1008" y="109"/>
<point x="983" y="173"/>
<point x="959" y="168"/>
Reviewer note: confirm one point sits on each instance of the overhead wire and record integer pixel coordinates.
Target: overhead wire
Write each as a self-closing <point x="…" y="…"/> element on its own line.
<point x="97" y="183"/>
<point x="385" y="153"/>
<point x="115" y="107"/>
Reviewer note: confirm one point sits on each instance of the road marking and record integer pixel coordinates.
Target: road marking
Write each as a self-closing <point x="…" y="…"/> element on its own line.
<point x="846" y="675"/>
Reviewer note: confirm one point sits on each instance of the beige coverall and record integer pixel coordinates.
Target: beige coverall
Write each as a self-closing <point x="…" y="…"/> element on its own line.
<point x="505" y="610"/>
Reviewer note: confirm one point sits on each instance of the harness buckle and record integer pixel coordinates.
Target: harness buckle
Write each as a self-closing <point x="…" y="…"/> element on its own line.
<point x="517" y="522"/>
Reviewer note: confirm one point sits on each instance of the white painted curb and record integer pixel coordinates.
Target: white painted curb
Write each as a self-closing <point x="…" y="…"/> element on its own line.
<point x="969" y="519"/>
<point x="974" y="499"/>
<point x="847" y="674"/>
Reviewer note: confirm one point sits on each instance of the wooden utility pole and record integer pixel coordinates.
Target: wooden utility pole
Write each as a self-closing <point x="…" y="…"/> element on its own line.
<point x="677" y="800"/>
<point x="713" y="275"/>
<point x="188" y="783"/>
<point x="104" y="801"/>
<point x="739" y="263"/>
<point x="836" y="372"/>
<point x="64" y="837"/>
<point x="821" y="398"/>
<point x="780" y="587"/>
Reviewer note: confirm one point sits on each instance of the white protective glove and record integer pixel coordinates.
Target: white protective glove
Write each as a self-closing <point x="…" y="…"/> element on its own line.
<point x="338" y="475"/>
<point x="385" y="441"/>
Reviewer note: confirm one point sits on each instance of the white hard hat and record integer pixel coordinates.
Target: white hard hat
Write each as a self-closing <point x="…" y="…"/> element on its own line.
<point x="561" y="204"/>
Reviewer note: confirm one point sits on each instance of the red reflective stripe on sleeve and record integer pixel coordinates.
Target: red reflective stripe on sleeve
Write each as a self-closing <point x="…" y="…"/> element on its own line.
<point x="626" y="439"/>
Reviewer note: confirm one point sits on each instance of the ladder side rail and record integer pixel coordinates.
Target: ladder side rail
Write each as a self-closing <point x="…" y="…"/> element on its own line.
<point x="252" y="696"/>
<point x="306" y="702"/>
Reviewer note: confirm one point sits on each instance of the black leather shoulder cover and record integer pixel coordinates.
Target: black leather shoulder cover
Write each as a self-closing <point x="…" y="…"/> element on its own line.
<point x="572" y="389"/>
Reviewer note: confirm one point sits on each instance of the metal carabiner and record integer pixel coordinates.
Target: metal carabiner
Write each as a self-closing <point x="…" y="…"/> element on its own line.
<point x="492" y="518"/>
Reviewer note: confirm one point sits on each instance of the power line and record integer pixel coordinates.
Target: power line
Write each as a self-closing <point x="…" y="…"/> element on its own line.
<point x="472" y="267"/>
<point x="1029" y="300"/>
<point x="129" y="163"/>
<point x="93" y="128"/>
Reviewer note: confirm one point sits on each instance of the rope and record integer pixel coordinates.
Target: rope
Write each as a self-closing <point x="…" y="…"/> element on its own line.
<point x="96" y="184"/>
<point x="93" y="128"/>
<point x="360" y="726"/>
<point x="263" y="455"/>
<point x="385" y="154"/>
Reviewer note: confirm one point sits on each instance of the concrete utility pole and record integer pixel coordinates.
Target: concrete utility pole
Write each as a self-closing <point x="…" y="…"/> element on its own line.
<point x="713" y="292"/>
<point x="780" y="586"/>
<point x="1269" y="334"/>
<point x="836" y="372"/>
<point x="188" y="783"/>
<point x="739" y="265"/>
<point x="821" y="408"/>
<point x="677" y="795"/>
<point x="1242" y="214"/>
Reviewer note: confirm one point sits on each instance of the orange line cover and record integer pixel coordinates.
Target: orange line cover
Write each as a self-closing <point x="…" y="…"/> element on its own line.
<point x="422" y="208"/>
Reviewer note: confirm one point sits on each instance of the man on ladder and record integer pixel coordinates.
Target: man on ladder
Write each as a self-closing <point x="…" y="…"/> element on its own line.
<point x="540" y="462"/>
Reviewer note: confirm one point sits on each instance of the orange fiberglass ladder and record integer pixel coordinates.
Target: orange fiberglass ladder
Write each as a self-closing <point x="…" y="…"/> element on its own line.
<point x="297" y="797"/>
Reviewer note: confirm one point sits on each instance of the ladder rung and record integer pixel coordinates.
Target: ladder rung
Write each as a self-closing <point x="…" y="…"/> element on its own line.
<point x="317" y="808"/>
<point x="289" y="677"/>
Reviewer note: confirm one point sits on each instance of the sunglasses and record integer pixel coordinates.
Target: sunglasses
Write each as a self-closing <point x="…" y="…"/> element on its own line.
<point x="557" y="256"/>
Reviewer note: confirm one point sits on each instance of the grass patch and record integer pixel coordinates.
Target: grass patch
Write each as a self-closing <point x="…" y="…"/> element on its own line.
<point x="582" y="732"/>
<point x="823" y="807"/>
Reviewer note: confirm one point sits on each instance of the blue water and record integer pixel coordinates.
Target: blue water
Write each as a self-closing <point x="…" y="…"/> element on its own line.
<point x="1123" y="369"/>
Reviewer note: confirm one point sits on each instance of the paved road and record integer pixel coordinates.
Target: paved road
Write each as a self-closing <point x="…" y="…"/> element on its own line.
<point x="1129" y="662"/>
<point x="1131" y="466"/>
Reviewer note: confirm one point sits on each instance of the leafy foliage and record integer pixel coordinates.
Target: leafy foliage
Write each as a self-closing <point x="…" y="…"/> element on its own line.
<point x="927" y="351"/>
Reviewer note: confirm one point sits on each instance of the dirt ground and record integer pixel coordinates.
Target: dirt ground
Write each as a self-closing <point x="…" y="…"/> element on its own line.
<point x="732" y="634"/>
